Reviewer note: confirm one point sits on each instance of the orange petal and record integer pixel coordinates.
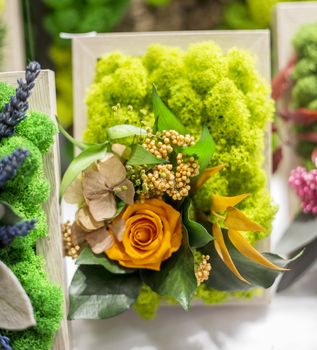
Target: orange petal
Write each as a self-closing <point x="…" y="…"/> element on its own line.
<point x="209" y="172"/>
<point x="236" y="220"/>
<point x="221" y="203"/>
<point x="224" y="253"/>
<point x="246" y="249"/>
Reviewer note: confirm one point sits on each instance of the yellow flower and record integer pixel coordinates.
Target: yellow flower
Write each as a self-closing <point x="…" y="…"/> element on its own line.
<point x="235" y="221"/>
<point x="145" y="235"/>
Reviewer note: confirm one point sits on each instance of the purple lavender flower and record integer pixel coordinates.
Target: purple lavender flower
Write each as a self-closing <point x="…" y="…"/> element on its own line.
<point x="14" y="111"/>
<point x="9" y="233"/>
<point x="10" y="164"/>
<point x="305" y="184"/>
<point x="5" y="343"/>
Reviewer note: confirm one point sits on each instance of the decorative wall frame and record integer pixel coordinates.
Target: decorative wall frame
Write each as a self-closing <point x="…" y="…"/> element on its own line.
<point x="43" y="99"/>
<point x="287" y="19"/>
<point x="87" y="50"/>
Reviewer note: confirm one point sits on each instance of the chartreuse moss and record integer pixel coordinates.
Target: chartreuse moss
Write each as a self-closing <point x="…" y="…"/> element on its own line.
<point x="201" y="86"/>
<point x="26" y="193"/>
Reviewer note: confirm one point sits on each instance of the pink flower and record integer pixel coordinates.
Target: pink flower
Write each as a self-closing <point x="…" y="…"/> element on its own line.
<point x="305" y="184"/>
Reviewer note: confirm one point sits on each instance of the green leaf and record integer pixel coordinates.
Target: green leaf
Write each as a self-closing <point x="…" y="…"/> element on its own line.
<point x="81" y="162"/>
<point x="222" y="278"/>
<point x="7" y="215"/>
<point x="140" y="156"/>
<point x="203" y="149"/>
<point x="71" y="139"/>
<point x="164" y="118"/>
<point x="87" y="257"/>
<point x="305" y="224"/>
<point x="95" y="293"/>
<point x="197" y="234"/>
<point x="124" y="130"/>
<point x="176" y="278"/>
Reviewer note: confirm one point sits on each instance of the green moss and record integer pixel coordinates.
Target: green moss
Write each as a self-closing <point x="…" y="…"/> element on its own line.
<point x="46" y="301"/>
<point x="147" y="303"/>
<point x="6" y="91"/>
<point x="39" y="129"/>
<point x="304" y="91"/>
<point x="31" y="165"/>
<point x="26" y="192"/>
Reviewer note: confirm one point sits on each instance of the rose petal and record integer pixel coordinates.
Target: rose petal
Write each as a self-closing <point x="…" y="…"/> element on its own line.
<point x="78" y="235"/>
<point x="103" y="207"/>
<point x="86" y="221"/>
<point x="112" y="170"/>
<point x="118" y="227"/>
<point x="74" y="192"/>
<point x="126" y="195"/>
<point x="93" y="184"/>
<point x="99" y="240"/>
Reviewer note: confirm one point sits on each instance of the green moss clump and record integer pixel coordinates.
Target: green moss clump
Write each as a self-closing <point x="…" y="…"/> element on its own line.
<point x="304" y="92"/>
<point x="30" y="166"/>
<point x="6" y="91"/>
<point x="201" y="86"/>
<point x="147" y="303"/>
<point x="39" y="129"/>
<point x="26" y="193"/>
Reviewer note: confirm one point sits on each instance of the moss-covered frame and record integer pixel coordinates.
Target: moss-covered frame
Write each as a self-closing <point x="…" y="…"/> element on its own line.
<point x="43" y="99"/>
<point x="86" y="52"/>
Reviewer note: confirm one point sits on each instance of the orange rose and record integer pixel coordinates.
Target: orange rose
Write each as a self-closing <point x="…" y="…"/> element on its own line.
<point x="152" y="231"/>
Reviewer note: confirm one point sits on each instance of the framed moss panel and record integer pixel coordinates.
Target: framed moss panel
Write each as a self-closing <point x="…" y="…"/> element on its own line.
<point x="13" y="51"/>
<point x="43" y="99"/>
<point x="87" y="50"/>
<point x="287" y="20"/>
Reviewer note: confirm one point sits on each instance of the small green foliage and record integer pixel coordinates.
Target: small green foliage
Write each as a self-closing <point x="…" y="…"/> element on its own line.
<point x="30" y="166"/>
<point x="5" y="92"/>
<point x="39" y="129"/>
<point x="147" y="303"/>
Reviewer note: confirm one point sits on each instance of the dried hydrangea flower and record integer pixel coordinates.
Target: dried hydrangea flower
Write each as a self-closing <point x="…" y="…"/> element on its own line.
<point x="99" y="186"/>
<point x="9" y="233"/>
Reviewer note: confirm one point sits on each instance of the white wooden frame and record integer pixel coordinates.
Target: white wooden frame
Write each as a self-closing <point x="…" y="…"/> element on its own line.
<point x="43" y="99"/>
<point x="288" y="17"/>
<point x="86" y="51"/>
<point x="13" y="51"/>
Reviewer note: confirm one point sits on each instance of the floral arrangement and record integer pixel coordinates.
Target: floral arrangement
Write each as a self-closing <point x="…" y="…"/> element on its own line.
<point x="155" y="219"/>
<point x="295" y="89"/>
<point x="31" y="306"/>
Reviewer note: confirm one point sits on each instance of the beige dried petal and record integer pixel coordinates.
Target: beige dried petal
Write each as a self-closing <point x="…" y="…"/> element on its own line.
<point x="78" y="235"/>
<point x="112" y="170"/>
<point x="118" y="228"/>
<point x="93" y="184"/>
<point x="74" y="192"/>
<point x="15" y="305"/>
<point x="99" y="240"/>
<point x="86" y="221"/>
<point x="127" y="195"/>
<point x="103" y="207"/>
<point x="120" y="150"/>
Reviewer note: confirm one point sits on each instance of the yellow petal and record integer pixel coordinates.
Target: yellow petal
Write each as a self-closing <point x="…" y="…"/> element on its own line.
<point x="224" y="253"/>
<point x="246" y="249"/>
<point x="209" y="172"/>
<point x="221" y="203"/>
<point x="236" y="220"/>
